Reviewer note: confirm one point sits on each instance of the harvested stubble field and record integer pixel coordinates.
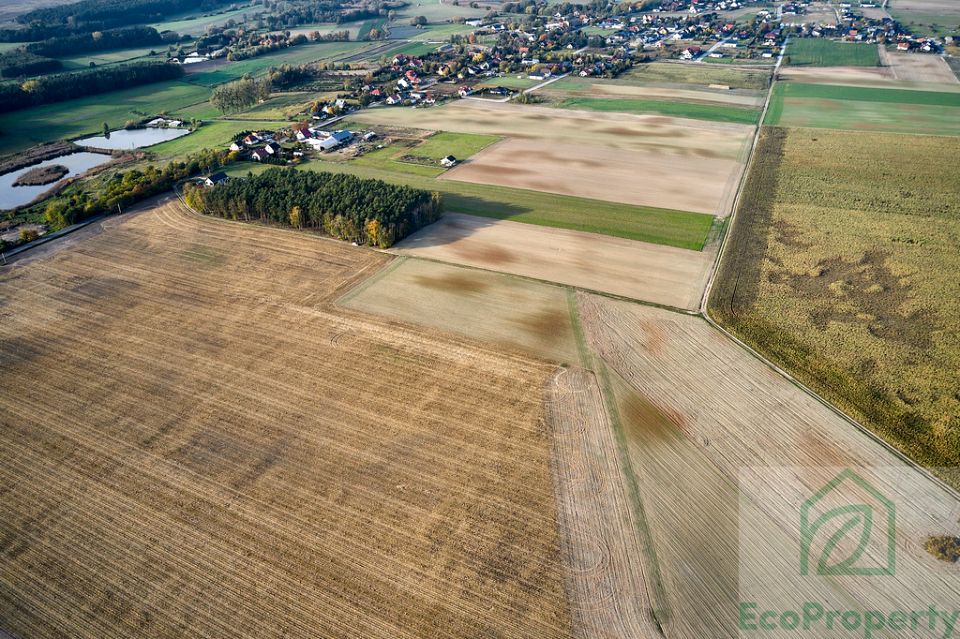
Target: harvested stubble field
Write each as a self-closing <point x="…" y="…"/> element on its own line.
<point x="567" y="151"/>
<point x="196" y="442"/>
<point x="660" y="274"/>
<point x="839" y="271"/>
<point x="507" y="311"/>
<point x="704" y="427"/>
<point x="606" y="582"/>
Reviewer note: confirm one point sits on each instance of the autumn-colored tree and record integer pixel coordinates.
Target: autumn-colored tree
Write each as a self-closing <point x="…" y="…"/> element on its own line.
<point x="295" y="217"/>
<point x="373" y="231"/>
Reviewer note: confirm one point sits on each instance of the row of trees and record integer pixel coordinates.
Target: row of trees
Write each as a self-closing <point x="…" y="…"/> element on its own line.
<point x="121" y="38"/>
<point x="14" y="64"/>
<point x="66" y="86"/>
<point x="241" y="94"/>
<point x="127" y="188"/>
<point x="344" y="206"/>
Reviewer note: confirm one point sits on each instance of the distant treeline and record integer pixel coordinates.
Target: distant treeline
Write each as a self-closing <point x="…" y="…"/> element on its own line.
<point x="14" y="64"/>
<point x="103" y="14"/>
<point x="344" y="206"/>
<point x="122" y="38"/>
<point x="67" y="86"/>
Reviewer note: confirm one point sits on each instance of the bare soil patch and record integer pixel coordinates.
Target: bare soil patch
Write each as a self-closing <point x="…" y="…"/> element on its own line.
<point x="702" y="184"/>
<point x="653" y="273"/>
<point x="917" y="67"/>
<point x="619" y="131"/>
<point x="838" y="75"/>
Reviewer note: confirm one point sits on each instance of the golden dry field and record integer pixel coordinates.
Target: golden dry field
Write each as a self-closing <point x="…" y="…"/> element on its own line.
<point x="196" y="443"/>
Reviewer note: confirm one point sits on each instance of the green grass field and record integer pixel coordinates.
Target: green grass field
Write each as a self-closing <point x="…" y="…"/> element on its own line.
<point x="84" y="116"/>
<point x="717" y="113"/>
<point x="842" y="268"/>
<point x="731" y="60"/>
<point x="819" y="52"/>
<point x="411" y="48"/>
<point x="928" y="24"/>
<point x="459" y="145"/>
<point x="864" y="108"/>
<point x="114" y="57"/>
<point x="281" y="106"/>
<point x="438" y="145"/>
<point x="646" y="224"/>
<point x="196" y="25"/>
<point x="696" y="74"/>
<point x="301" y="54"/>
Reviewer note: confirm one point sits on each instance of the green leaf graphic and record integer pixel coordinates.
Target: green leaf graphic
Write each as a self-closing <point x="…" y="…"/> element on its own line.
<point x="858" y="515"/>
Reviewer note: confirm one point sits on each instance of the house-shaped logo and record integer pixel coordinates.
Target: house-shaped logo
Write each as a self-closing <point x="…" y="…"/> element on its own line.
<point x="847" y="528"/>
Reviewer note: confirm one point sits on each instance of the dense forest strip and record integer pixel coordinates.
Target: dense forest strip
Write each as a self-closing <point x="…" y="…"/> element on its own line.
<point x="344" y="206"/>
<point x="125" y="37"/>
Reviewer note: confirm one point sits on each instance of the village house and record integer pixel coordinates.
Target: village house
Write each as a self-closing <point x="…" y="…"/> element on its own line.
<point x="216" y="178"/>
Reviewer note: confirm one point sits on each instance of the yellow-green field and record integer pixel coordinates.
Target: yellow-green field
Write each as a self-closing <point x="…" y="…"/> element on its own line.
<point x="842" y="267"/>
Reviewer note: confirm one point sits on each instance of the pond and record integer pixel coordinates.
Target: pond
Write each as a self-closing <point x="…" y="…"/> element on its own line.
<point x="77" y="163"/>
<point x="132" y="138"/>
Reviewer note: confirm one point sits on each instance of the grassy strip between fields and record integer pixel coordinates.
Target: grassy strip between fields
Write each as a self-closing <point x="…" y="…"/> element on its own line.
<point x="829" y="53"/>
<point x="717" y="113"/>
<point x="642" y="223"/>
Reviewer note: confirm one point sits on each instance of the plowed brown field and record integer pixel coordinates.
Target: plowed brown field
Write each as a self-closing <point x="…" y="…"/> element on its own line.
<point x="195" y="444"/>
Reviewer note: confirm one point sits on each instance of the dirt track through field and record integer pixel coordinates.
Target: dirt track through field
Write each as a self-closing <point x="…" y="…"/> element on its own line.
<point x="195" y="443"/>
<point x="648" y="272"/>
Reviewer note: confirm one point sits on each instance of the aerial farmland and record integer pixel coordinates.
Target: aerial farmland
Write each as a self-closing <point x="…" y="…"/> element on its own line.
<point x="387" y="319"/>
